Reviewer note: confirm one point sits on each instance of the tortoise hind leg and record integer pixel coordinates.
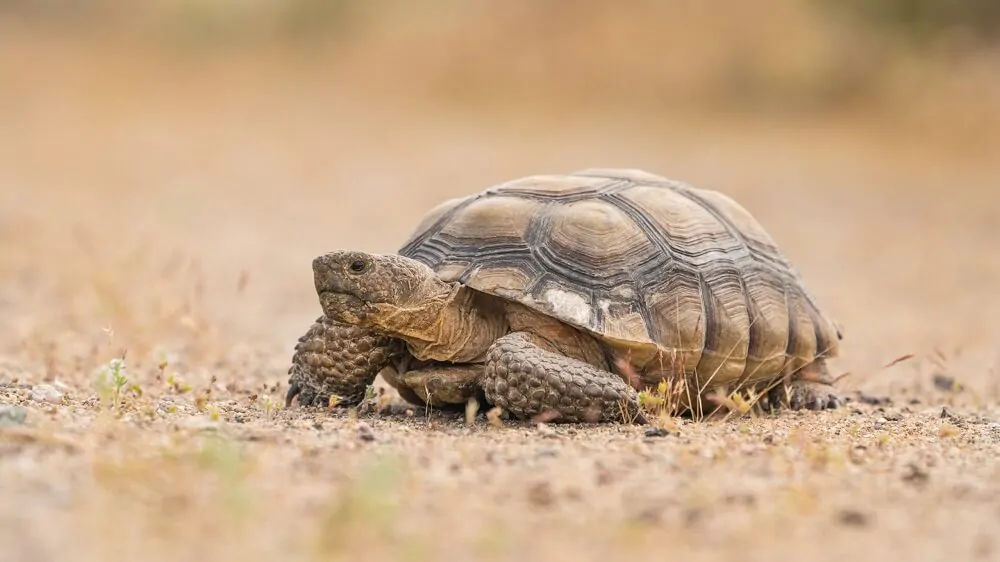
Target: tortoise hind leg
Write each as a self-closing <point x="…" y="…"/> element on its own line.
<point x="810" y="389"/>
<point x="810" y="395"/>
<point x="524" y="378"/>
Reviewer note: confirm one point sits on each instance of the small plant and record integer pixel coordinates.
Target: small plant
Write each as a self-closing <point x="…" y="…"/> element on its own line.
<point x="948" y="430"/>
<point x="471" y="410"/>
<point x="111" y="382"/>
<point x="663" y="402"/>
<point x="493" y="416"/>
<point x="161" y="366"/>
<point x="270" y="407"/>
<point x="177" y="385"/>
<point x="883" y="440"/>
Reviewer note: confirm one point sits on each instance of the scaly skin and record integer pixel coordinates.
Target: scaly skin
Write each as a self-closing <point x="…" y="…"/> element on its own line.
<point x="527" y="380"/>
<point x="811" y="395"/>
<point x="810" y="389"/>
<point x="337" y="358"/>
<point x="444" y="386"/>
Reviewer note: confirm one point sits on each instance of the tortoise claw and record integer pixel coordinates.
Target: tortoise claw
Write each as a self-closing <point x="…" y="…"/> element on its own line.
<point x="293" y="390"/>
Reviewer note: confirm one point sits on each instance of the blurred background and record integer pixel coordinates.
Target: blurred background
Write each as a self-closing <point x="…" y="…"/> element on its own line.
<point x="169" y="168"/>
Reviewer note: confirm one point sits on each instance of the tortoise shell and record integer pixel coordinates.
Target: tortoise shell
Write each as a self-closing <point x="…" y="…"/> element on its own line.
<point x="651" y="265"/>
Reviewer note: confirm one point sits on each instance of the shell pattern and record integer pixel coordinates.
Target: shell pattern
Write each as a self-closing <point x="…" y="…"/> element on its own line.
<point x="653" y="266"/>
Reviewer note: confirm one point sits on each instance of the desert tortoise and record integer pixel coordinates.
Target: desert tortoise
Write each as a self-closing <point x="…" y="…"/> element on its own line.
<point x="553" y="293"/>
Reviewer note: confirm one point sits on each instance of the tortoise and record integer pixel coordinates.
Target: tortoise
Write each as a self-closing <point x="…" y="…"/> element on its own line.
<point x="567" y="294"/>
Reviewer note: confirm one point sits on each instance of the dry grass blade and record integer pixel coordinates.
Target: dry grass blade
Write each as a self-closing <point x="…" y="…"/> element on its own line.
<point x="898" y="360"/>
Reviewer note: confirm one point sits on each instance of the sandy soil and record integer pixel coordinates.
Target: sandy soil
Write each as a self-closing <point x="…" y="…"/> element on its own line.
<point x="173" y="220"/>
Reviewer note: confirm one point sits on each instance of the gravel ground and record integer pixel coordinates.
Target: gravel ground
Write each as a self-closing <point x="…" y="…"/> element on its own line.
<point x="177" y="232"/>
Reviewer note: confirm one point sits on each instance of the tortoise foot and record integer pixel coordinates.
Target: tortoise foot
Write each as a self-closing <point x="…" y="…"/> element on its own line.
<point x="335" y="359"/>
<point x="812" y="395"/>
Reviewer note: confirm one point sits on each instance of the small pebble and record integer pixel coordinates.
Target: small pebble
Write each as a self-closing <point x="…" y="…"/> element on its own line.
<point x="603" y="476"/>
<point x="46" y="393"/>
<point x="656" y="432"/>
<point x="541" y="494"/>
<point x="874" y="400"/>
<point x="649" y="514"/>
<point x="365" y="432"/>
<point x="853" y="518"/>
<point x="545" y="431"/>
<point x="893" y="416"/>
<point x="914" y="474"/>
<point x="693" y="515"/>
<point x="740" y="498"/>
<point x="11" y="416"/>
<point x="946" y="413"/>
<point x="945" y="383"/>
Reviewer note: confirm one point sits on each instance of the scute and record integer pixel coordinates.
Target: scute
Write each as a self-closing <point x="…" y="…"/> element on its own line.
<point x="693" y="233"/>
<point x="631" y="174"/>
<point x="593" y="237"/>
<point x="552" y="185"/>
<point x="677" y="315"/>
<point x="658" y="267"/>
<point x="507" y="281"/>
<point x="491" y="220"/>
<point x="430" y="219"/>
<point x="623" y="319"/>
<point x="761" y="243"/>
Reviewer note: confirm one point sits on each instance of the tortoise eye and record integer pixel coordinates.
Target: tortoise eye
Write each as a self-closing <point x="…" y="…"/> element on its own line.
<point x="358" y="266"/>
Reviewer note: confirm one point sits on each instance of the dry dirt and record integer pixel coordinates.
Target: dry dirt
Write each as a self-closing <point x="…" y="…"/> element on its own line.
<point x="171" y="217"/>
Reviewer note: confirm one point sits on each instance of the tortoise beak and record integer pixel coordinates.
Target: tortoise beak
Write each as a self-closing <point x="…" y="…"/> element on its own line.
<point x="328" y="273"/>
<point x="324" y="273"/>
<point x="335" y="290"/>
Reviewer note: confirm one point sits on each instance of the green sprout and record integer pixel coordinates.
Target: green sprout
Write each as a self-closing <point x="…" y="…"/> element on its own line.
<point x="270" y="407"/>
<point x="111" y="382"/>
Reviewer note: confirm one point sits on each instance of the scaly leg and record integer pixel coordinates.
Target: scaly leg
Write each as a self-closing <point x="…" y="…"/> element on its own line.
<point x="337" y="359"/>
<point x="526" y="380"/>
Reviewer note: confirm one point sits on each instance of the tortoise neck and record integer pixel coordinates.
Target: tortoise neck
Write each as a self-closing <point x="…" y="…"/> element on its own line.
<point x="450" y="322"/>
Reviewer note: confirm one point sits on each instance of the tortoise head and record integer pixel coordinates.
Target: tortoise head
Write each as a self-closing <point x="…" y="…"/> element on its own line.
<point x="368" y="289"/>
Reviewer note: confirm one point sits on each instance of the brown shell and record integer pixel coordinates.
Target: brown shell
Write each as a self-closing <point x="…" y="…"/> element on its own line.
<point x="643" y="261"/>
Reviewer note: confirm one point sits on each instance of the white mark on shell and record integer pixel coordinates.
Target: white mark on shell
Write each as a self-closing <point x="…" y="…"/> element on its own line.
<point x="571" y="306"/>
<point x="605" y="305"/>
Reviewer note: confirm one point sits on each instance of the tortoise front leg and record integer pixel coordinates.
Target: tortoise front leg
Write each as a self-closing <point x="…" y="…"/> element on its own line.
<point x="337" y="359"/>
<point x="526" y="380"/>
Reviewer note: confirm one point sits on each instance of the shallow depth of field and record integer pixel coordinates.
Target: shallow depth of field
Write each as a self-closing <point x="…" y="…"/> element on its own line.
<point x="169" y="169"/>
